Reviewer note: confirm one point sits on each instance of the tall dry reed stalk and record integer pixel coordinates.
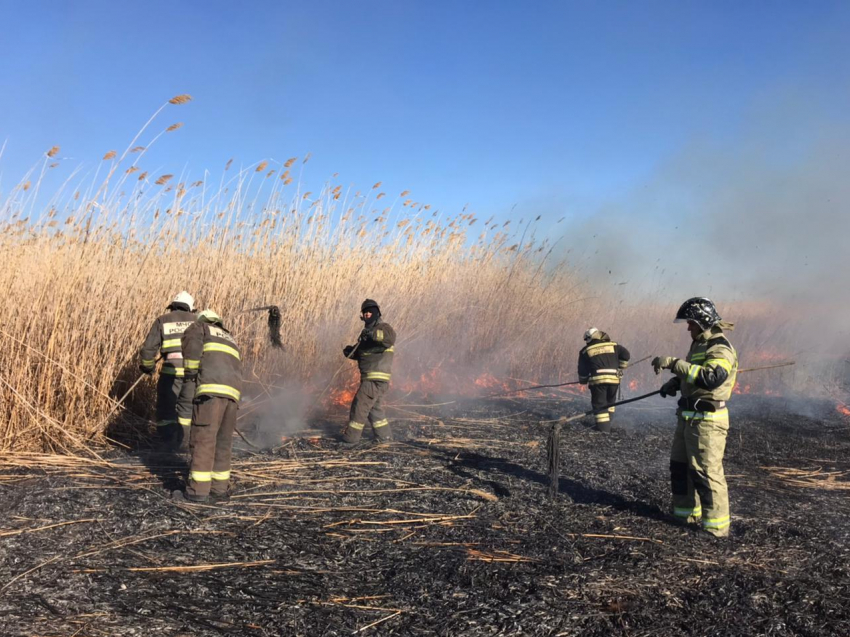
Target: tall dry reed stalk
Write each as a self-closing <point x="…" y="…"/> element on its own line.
<point x="87" y="271"/>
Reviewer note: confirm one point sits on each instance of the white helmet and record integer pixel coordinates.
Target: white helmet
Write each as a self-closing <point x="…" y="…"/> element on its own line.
<point x="210" y="316"/>
<point x="588" y="335"/>
<point x="185" y="297"/>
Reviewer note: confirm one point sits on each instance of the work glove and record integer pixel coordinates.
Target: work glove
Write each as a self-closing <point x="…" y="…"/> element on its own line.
<point x="663" y="362"/>
<point x="346" y="351"/>
<point x="619" y="373"/>
<point x="583" y="381"/>
<point x="365" y="335"/>
<point x="670" y="388"/>
<point x="146" y="370"/>
<point x="190" y="375"/>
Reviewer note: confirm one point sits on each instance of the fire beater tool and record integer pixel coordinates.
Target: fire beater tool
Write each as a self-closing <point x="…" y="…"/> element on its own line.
<point x="553" y="443"/>
<point x="273" y="323"/>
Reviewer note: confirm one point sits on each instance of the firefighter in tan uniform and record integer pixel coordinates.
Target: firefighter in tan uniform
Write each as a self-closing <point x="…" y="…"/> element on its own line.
<point x="374" y="356"/>
<point x="174" y="392"/>
<point x="600" y="366"/>
<point x="705" y="378"/>
<point x="213" y="357"/>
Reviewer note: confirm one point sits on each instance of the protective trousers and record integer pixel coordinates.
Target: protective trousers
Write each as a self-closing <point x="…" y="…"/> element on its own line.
<point x="213" y="424"/>
<point x="696" y="470"/>
<point x="601" y="396"/>
<point x="366" y="407"/>
<point x="174" y="396"/>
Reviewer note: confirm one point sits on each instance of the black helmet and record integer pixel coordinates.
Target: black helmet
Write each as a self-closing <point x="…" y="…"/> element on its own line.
<point x="369" y="304"/>
<point x="700" y="310"/>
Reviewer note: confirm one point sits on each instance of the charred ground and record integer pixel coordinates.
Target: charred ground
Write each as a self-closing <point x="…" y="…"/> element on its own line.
<point x="447" y="532"/>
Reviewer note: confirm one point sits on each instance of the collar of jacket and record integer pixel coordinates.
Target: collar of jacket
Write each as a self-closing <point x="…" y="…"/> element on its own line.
<point x="715" y="331"/>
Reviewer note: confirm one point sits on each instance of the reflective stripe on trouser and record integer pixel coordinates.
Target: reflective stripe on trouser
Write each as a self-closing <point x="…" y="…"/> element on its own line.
<point x="600" y="397"/>
<point x="697" y="480"/>
<point x="366" y="407"/>
<point x="213" y="423"/>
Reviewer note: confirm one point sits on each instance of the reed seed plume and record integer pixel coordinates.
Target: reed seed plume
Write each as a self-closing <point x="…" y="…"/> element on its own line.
<point x="163" y="180"/>
<point x="53" y="151"/>
<point x="180" y="99"/>
<point x="174" y="127"/>
<point x="110" y="155"/>
<point x="261" y="166"/>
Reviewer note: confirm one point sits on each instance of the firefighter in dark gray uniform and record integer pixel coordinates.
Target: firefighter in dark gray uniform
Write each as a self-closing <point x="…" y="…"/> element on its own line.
<point x="213" y="357"/>
<point x="600" y="366"/>
<point x="174" y="392"/>
<point x="374" y="356"/>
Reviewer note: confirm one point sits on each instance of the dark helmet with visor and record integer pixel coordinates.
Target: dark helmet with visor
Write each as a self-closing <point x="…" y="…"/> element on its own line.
<point x="700" y="310"/>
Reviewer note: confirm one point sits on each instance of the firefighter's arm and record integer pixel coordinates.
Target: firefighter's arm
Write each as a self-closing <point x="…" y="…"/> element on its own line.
<point x="718" y="365"/>
<point x="583" y="368"/>
<point x="382" y="335"/>
<point x="623" y="357"/>
<point x="150" y="348"/>
<point x="192" y="345"/>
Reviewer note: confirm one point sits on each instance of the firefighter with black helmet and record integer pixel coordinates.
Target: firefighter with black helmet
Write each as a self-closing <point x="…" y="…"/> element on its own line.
<point x="600" y="366"/>
<point x="374" y="355"/>
<point x="174" y="392"/>
<point x="705" y="378"/>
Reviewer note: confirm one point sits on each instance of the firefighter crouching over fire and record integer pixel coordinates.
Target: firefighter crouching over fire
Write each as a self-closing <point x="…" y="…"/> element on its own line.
<point x="705" y="378"/>
<point x="600" y="366"/>
<point x="174" y="392"/>
<point x="374" y="356"/>
<point x="212" y="357"/>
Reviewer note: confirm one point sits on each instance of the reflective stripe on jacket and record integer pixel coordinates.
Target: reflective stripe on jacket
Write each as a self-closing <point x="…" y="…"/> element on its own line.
<point x="164" y="336"/>
<point x="600" y="360"/>
<point x="375" y="354"/>
<point x="211" y="351"/>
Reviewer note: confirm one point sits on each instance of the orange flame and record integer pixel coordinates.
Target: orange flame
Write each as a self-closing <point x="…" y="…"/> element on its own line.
<point x="842" y="409"/>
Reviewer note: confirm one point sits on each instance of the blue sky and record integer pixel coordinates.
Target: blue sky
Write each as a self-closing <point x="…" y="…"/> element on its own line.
<point x="552" y="107"/>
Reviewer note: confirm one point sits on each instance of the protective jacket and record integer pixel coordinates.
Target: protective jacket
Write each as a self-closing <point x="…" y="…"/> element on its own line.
<point x="375" y="354"/>
<point x="164" y="336"/>
<point x="211" y="353"/>
<point x="600" y="361"/>
<point x="709" y="371"/>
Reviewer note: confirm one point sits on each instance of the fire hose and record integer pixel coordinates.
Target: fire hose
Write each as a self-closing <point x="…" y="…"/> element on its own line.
<point x="553" y="443"/>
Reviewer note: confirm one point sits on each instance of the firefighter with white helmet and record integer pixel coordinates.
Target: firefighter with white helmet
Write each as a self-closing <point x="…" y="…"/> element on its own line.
<point x="705" y="378"/>
<point x="600" y="366"/>
<point x="174" y="392"/>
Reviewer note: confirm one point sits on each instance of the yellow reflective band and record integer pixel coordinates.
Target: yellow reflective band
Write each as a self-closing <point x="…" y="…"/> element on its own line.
<point x="692" y="373"/>
<point x="611" y="410"/>
<point x="389" y="349"/>
<point x="171" y="371"/>
<point x="623" y="364"/>
<point x="381" y="423"/>
<point x="697" y="358"/>
<point x="200" y="476"/>
<point x="148" y="362"/>
<point x="716" y="523"/>
<point x="224" y="390"/>
<point x="191" y="363"/>
<point x="611" y="379"/>
<point x="721" y="414"/>
<point x="221" y="347"/>
<point x="379" y="335"/>
<point x="680" y="512"/>
<point x="171" y="342"/>
<point x="356" y="425"/>
<point x="377" y="376"/>
<point x="221" y="475"/>
<point x="720" y="361"/>
<point x="184" y="421"/>
<point x="603" y="417"/>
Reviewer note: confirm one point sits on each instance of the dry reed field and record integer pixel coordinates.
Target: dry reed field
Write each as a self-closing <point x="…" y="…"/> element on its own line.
<point x="87" y="268"/>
